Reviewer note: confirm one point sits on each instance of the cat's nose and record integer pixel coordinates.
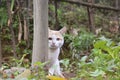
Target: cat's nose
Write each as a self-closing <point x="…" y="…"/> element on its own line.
<point x="53" y="43"/>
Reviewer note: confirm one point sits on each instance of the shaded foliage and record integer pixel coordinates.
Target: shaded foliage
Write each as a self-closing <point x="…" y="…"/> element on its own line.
<point x="85" y="54"/>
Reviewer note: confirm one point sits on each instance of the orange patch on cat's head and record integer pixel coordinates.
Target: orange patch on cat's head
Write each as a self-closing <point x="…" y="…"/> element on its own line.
<point x="56" y="33"/>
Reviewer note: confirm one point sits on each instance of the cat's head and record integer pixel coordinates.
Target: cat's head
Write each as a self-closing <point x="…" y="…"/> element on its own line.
<point x="55" y="38"/>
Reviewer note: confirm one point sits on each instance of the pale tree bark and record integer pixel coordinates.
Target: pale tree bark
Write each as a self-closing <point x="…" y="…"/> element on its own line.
<point x="40" y="37"/>
<point x="0" y="51"/>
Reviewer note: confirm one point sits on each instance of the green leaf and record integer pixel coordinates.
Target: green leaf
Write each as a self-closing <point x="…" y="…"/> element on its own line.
<point x="97" y="72"/>
<point x="100" y="44"/>
<point x="65" y="62"/>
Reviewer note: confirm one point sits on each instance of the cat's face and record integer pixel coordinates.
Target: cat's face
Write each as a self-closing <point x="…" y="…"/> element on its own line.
<point x="55" y="38"/>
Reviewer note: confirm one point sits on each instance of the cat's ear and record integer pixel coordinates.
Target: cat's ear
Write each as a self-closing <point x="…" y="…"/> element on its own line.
<point x="63" y="30"/>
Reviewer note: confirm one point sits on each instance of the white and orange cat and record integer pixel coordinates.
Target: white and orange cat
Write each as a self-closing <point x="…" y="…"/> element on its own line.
<point x="55" y="42"/>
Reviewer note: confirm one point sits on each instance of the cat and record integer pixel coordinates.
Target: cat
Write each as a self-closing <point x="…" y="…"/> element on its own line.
<point x="55" y="42"/>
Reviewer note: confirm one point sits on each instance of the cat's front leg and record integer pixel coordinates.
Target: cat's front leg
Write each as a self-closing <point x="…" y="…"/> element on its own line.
<point x="57" y="69"/>
<point x="51" y="71"/>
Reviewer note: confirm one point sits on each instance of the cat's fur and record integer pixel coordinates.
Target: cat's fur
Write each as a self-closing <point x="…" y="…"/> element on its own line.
<point x="55" y="42"/>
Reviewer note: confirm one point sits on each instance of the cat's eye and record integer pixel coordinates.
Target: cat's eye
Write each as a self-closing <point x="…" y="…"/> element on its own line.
<point x="58" y="39"/>
<point x="50" y="38"/>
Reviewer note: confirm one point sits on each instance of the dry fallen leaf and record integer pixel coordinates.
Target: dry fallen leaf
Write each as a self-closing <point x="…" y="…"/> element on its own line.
<point x="55" y="78"/>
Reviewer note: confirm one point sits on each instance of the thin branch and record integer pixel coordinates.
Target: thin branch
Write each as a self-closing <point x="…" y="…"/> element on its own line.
<point x="20" y="29"/>
<point x="56" y="15"/>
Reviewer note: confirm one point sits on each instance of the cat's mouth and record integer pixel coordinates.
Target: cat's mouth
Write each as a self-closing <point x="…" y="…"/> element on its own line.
<point x="53" y="46"/>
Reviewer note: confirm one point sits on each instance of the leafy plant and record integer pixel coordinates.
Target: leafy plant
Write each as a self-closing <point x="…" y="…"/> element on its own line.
<point x="20" y="62"/>
<point x="82" y="42"/>
<point x="3" y="15"/>
<point x="105" y="57"/>
<point x="103" y="63"/>
<point x="38" y="72"/>
<point x="65" y="63"/>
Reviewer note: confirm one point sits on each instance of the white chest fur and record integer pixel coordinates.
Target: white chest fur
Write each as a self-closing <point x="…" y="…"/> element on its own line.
<point x="54" y="62"/>
<point x="53" y="55"/>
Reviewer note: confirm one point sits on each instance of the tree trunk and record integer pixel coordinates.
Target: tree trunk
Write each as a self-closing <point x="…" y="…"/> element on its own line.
<point x="40" y="37"/>
<point x="0" y="51"/>
<point x="10" y="25"/>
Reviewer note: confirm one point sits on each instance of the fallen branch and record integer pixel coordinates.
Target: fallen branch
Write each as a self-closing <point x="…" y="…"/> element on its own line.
<point x="89" y="4"/>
